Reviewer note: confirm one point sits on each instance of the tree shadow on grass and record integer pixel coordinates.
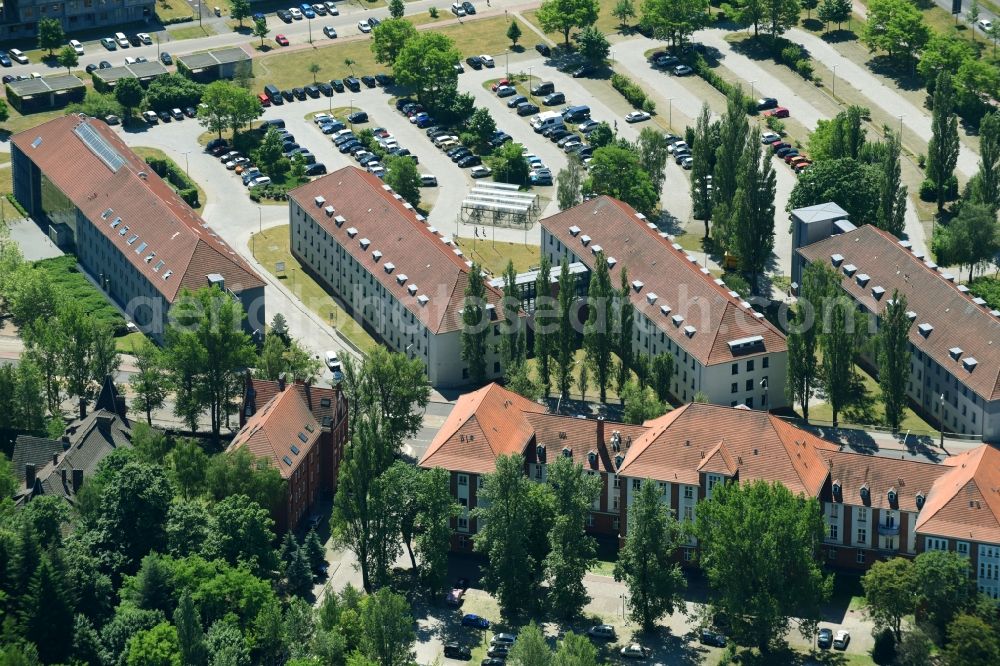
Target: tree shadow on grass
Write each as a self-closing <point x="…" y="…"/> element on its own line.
<point x="839" y="35"/>
<point x="903" y="76"/>
<point x="813" y="24"/>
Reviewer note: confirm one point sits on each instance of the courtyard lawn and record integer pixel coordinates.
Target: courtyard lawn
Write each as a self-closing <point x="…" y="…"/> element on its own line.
<point x="270" y="247"/>
<point x="127" y="344"/>
<point x="867" y="410"/>
<point x="493" y="257"/>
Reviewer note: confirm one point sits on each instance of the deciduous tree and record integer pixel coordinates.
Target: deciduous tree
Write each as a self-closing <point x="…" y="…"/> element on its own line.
<point x="50" y="34"/>
<point x="435" y="510"/>
<point x="514" y="32"/>
<point x="396" y="9"/>
<point x="852" y="184"/>
<point x="835" y="11"/>
<point x="68" y="58"/>
<point x="569" y="182"/>
<point x="759" y="550"/>
<point x="572" y="549"/>
<point x="646" y="563"/>
<point x="616" y="171"/>
<point x="260" y="29"/>
<point x="673" y="21"/>
<point x="129" y="93"/>
<point x="564" y="15"/>
<point x="943" y="586"/>
<point x="239" y="10"/>
<point x="897" y="27"/>
<point x="889" y="592"/>
<point x="388" y="39"/>
<point x="593" y="45"/>
<point x="641" y="404"/>
<point x="426" y="64"/>
<point x="402" y="176"/>
<point x="894" y="360"/>
<point x="387" y="628"/>
<point x="623" y="11"/>
<point x="971" y="642"/>
<point x="530" y="648"/>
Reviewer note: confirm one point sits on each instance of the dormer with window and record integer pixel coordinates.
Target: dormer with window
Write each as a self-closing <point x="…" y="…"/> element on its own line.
<point x="540" y="453"/>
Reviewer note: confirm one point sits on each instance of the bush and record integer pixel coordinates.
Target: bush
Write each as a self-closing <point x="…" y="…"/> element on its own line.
<point x="689" y="134"/>
<point x="790" y="55"/>
<point x="434" y="12"/>
<point x="884" y="651"/>
<point x="170" y="172"/>
<point x="190" y="196"/>
<point x="635" y="95"/>
<point x="648" y="105"/>
<point x="927" y="192"/>
<point x="804" y="68"/>
<point x="922" y="161"/>
<point x="702" y="69"/>
<point x="775" y="124"/>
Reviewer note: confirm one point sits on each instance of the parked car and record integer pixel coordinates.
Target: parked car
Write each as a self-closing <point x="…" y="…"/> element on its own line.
<point x="104" y="64"/>
<point x="503" y="639"/>
<point x="164" y="116"/>
<point x="430" y="180"/>
<point x="475" y="621"/>
<point x="317" y="169"/>
<point x="109" y="44"/>
<point x="634" y="651"/>
<point x="319" y="9"/>
<point x="457" y="9"/>
<point x="790" y="155"/>
<point x="300" y="93"/>
<point x="470" y="161"/>
<point x="824" y="639"/>
<point x="777" y="112"/>
<point x="984" y="24"/>
<point x="475" y="62"/>
<point x="76" y="46"/>
<point x="337" y="85"/>
<point x="92" y="67"/>
<point x="582" y="71"/>
<point x="480" y="171"/>
<point x="781" y="152"/>
<point x="666" y="61"/>
<point x="177" y="113"/>
<point x="765" y="103"/>
<point x="769" y="137"/>
<point x="543" y="88"/>
<point x="470" y="8"/>
<point x="383" y="80"/>
<point x="330" y="31"/>
<point x="284" y="15"/>
<point x="368" y="80"/>
<point x="485" y="59"/>
<point x="144" y="38"/>
<point x="841" y="640"/>
<point x="498" y="651"/>
<point x="682" y="70"/>
<point x="456" y="651"/>
<point x="307" y="11"/>
<point x="364" y="26"/>
<point x="352" y="84"/>
<point x="493" y="661"/>
<point x="326" y="88"/>
<point x="527" y="109"/>
<point x="714" y="638"/>
<point x="506" y="91"/>
<point x="778" y="145"/>
<point x="296" y="13"/>
<point x="588" y="126"/>
<point x="543" y="49"/>
<point x="331" y="7"/>
<point x="498" y="84"/>
<point x="605" y="631"/>
<point x="516" y="101"/>
<point x="281" y="40"/>
<point x="554" y="98"/>
<point x="636" y="117"/>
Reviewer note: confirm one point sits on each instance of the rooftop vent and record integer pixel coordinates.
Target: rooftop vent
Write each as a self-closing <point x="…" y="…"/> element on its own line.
<point x="611" y="262"/>
<point x="665" y="309"/>
<point x="719" y="282"/>
<point x="376" y="255"/>
<point x="319" y="201"/>
<point x="911" y="315"/>
<point x="422" y="299"/>
<point x="637" y="285"/>
<point x="862" y="279"/>
<point x="339" y="219"/>
<point x="955" y="353"/>
<point x="401" y="278"/>
<point x="931" y="265"/>
<point x="905" y="244"/>
<point x="693" y="259"/>
<point x="640" y="216"/>
<point x="329" y="211"/>
<point x="925" y="329"/>
<point x="704" y="270"/>
<point x="574" y="231"/>
<point x="650" y="225"/>
<point x="677" y="319"/>
<point x="389" y="267"/>
<point x="585" y="239"/>
<point x="677" y="246"/>
<point x="651" y="297"/>
<point x="878" y="292"/>
<point x="690" y="331"/>
<point x="918" y="255"/>
<point x="352" y="232"/>
<point x="850" y="270"/>
<point x="962" y="288"/>
<point x="412" y="289"/>
<point x="969" y="363"/>
<point x="948" y="276"/>
<point x="734" y="294"/>
<point x="458" y="252"/>
<point x="594" y="249"/>
<point x="978" y="301"/>
<point x="365" y="243"/>
<point x="420" y="217"/>
<point x="995" y="313"/>
<point x="106" y="214"/>
<point x="745" y="344"/>
<point x="836" y="259"/>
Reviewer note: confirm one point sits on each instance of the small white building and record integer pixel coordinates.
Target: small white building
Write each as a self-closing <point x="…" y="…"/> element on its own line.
<point x="721" y="346"/>
<point x="398" y="276"/>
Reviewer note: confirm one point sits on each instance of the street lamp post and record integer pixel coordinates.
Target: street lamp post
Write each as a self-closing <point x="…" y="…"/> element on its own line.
<point x="530" y="96"/>
<point x="186" y="170"/>
<point x="670" y="112"/>
<point x="752" y="83"/>
<point x="835" y="80"/>
<point x="506" y="63"/>
<point x="941" y="420"/>
<point x="310" y="30"/>
<point x="900" y="129"/>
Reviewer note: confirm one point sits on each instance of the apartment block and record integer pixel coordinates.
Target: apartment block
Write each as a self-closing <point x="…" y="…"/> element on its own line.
<point x="19" y="18"/>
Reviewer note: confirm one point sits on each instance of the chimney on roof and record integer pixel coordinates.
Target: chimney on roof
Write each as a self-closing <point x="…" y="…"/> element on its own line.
<point x="63" y="473"/>
<point x="281" y="382"/>
<point x="83" y="408"/>
<point x="55" y="458"/>
<point x="29" y="475"/>
<point x="65" y="442"/>
<point x="308" y="388"/>
<point x="120" y="407"/>
<point x="600" y="431"/>
<point x="104" y="421"/>
<point x="77" y="480"/>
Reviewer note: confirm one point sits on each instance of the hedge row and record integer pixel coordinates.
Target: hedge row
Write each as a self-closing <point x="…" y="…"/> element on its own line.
<point x="167" y="170"/>
<point x="635" y="95"/>
<point x="702" y="69"/>
<point x="794" y="57"/>
<point x="273" y="192"/>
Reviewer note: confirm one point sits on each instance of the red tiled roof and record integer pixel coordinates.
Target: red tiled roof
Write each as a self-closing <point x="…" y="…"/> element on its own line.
<point x="965" y="500"/>
<point x="322" y="401"/>
<point x="957" y="321"/>
<point x="667" y="272"/>
<point x="557" y="432"/>
<point x="281" y="424"/>
<point x="758" y="444"/>
<point x="484" y="424"/>
<point x="881" y="473"/>
<point x="404" y="241"/>
<point x="145" y="203"/>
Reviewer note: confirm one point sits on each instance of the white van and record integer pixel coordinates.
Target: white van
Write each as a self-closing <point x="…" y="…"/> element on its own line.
<point x="547" y="119"/>
<point x="121" y="39"/>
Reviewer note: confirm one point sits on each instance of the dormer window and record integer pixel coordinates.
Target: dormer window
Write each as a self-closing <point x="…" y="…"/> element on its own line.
<point x="540" y="453"/>
<point x="567" y="452"/>
<point x="592" y="458"/>
<point x="837" y="490"/>
<point x="920" y="498"/>
<point x="619" y="459"/>
<point x="865" y="493"/>
<point x="892" y="497"/>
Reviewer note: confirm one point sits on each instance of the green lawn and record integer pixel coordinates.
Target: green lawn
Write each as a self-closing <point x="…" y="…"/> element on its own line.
<point x="493" y="257"/>
<point x="127" y="344"/>
<point x="156" y="153"/>
<point x="867" y="410"/>
<point x="64" y="274"/>
<point x="169" y="10"/>
<point x="191" y="31"/>
<point x="287" y="69"/>
<point x="271" y="246"/>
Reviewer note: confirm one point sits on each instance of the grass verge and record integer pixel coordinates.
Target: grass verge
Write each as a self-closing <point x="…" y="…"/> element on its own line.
<point x="127" y="344"/>
<point x="190" y="32"/>
<point x="272" y="246"/>
<point x="172" y="10"/>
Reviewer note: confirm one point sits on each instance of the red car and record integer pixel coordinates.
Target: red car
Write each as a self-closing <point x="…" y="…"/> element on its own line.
<point x="501" y="82"/>
<point x="281" y="39"/>
<point x="780" y="112"/>
<point x="778" y="145"/>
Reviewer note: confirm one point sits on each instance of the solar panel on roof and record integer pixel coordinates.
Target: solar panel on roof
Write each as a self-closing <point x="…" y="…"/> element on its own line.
<point x="287" y="460"/>
<point x="37" y="142"/>
<point x="310" y="428"/>
<point x="296" y="450"/>
<point x="303" y="437"/>
<point x="99" y="146"/>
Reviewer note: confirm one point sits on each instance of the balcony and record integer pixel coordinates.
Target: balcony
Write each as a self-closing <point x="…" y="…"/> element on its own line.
<point x="888" y="530"/>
